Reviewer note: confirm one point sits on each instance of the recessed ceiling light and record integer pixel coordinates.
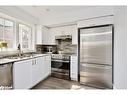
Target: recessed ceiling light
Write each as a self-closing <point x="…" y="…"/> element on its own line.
<point x="34" y="6"/>
<point x="47" y="10"/>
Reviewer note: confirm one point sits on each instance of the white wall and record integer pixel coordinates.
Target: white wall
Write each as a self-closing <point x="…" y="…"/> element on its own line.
<point x="120" y="50"/>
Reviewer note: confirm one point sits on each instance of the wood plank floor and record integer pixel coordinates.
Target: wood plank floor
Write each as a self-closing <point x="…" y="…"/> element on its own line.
<point x="56" y="83"/>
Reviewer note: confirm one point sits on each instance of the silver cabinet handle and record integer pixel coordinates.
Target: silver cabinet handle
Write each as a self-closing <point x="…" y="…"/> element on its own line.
<point x="33" y="62"/>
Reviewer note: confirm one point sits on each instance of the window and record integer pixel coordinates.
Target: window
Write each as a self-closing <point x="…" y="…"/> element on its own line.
<point x="1" y="29"/>
<point x="7" y="32"/>
<point x="25" y="34"/>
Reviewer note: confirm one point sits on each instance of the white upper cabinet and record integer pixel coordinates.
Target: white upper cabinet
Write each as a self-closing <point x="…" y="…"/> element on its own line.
<point x="47" y="35"/>
<point x="74" y="31"/>
<point x="38" y="34"/>
<point x="42" y="34"/>
<point x="65" y="30"/>
<point x="51" y="35"/>
<point x="95" y="21"/>
<point x="71" y="30"/>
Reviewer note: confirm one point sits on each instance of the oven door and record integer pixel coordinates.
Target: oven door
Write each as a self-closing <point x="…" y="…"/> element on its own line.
<point x="60" y="69"/>
<point x="60" y="64"/>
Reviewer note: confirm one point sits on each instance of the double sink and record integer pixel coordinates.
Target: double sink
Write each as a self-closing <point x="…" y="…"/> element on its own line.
<point x="24" y="56"/>
<point x="20" y="57"/>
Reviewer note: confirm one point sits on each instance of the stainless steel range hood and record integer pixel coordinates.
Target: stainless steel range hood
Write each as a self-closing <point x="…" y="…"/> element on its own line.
<point x="63" y="37"/>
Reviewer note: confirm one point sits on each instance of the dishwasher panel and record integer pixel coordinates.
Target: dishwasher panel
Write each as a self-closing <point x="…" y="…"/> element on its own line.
<point x="6" y="76"/>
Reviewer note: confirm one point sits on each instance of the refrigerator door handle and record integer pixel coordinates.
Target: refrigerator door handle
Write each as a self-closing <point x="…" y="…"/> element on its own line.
<point x="96" y="66"/>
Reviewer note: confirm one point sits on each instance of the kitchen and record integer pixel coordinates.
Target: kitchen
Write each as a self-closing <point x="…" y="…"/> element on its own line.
<point x="62" y="47"/>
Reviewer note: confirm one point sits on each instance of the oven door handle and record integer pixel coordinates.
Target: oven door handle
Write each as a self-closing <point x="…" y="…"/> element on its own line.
<point x="60" y="61"/>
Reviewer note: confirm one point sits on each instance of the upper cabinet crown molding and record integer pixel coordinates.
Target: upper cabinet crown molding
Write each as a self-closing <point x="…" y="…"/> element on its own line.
<point x="96" y="21"/>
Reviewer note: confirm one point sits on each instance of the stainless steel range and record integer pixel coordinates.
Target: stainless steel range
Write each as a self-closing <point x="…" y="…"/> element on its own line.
<point x="60" y="64"/>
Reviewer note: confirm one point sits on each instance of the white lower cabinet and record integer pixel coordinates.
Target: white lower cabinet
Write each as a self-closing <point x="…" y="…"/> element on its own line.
<point x="47" y="65"/>
<point x="28" y="73"/>
<point x="22" y="74"/>
<point x="37" y="70"/>
<point x="74" y="34"/>
<point x="74" y="68"/>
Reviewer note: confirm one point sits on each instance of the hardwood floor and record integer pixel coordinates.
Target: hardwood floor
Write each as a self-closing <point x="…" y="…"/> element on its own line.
<point x="56" y="83"/>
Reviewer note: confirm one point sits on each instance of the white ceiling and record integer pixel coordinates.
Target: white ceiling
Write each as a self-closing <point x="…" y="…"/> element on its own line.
<point x="50" y="11"/>
<point x="43" y="13"/>
<point x="50" y="15"/>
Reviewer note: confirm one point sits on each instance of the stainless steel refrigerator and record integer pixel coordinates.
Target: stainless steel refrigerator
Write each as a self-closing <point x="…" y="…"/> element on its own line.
<point x="95" y="56"/>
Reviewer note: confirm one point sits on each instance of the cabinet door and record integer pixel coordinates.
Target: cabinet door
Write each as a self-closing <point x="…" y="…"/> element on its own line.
<point x="67" y="30"/>
<point x="59" y="31"/>
<point x="74" y="30"/>
<point x="37" y="70"/>
<point x="40" y="66"/>
<point x="38" y="34"/>
<point x="64" y="30"/>
<point x="46" y="36"/>
<point x="48" y="64"/>
<point x="22" y="74"/>
<point x="74" y="68"/>
<point x="51" y="35"/>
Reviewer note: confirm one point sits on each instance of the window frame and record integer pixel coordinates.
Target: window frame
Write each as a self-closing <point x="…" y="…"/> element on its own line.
<point x="15" y="40"/>
<point x="14" y="33"/>
<point x="29" y="39"/>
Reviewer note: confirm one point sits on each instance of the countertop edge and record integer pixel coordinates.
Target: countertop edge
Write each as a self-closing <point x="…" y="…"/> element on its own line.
<point x="16" y="60"/>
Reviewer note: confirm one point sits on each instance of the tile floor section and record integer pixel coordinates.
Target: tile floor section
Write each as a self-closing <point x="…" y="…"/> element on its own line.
<point x="56" y="83"/>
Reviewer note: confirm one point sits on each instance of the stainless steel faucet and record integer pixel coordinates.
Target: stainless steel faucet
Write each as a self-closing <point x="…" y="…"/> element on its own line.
<point x="19" y="50"/>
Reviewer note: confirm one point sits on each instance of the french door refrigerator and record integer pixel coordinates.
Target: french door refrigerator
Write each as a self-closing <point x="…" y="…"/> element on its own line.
<point x="95" y="56"/>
